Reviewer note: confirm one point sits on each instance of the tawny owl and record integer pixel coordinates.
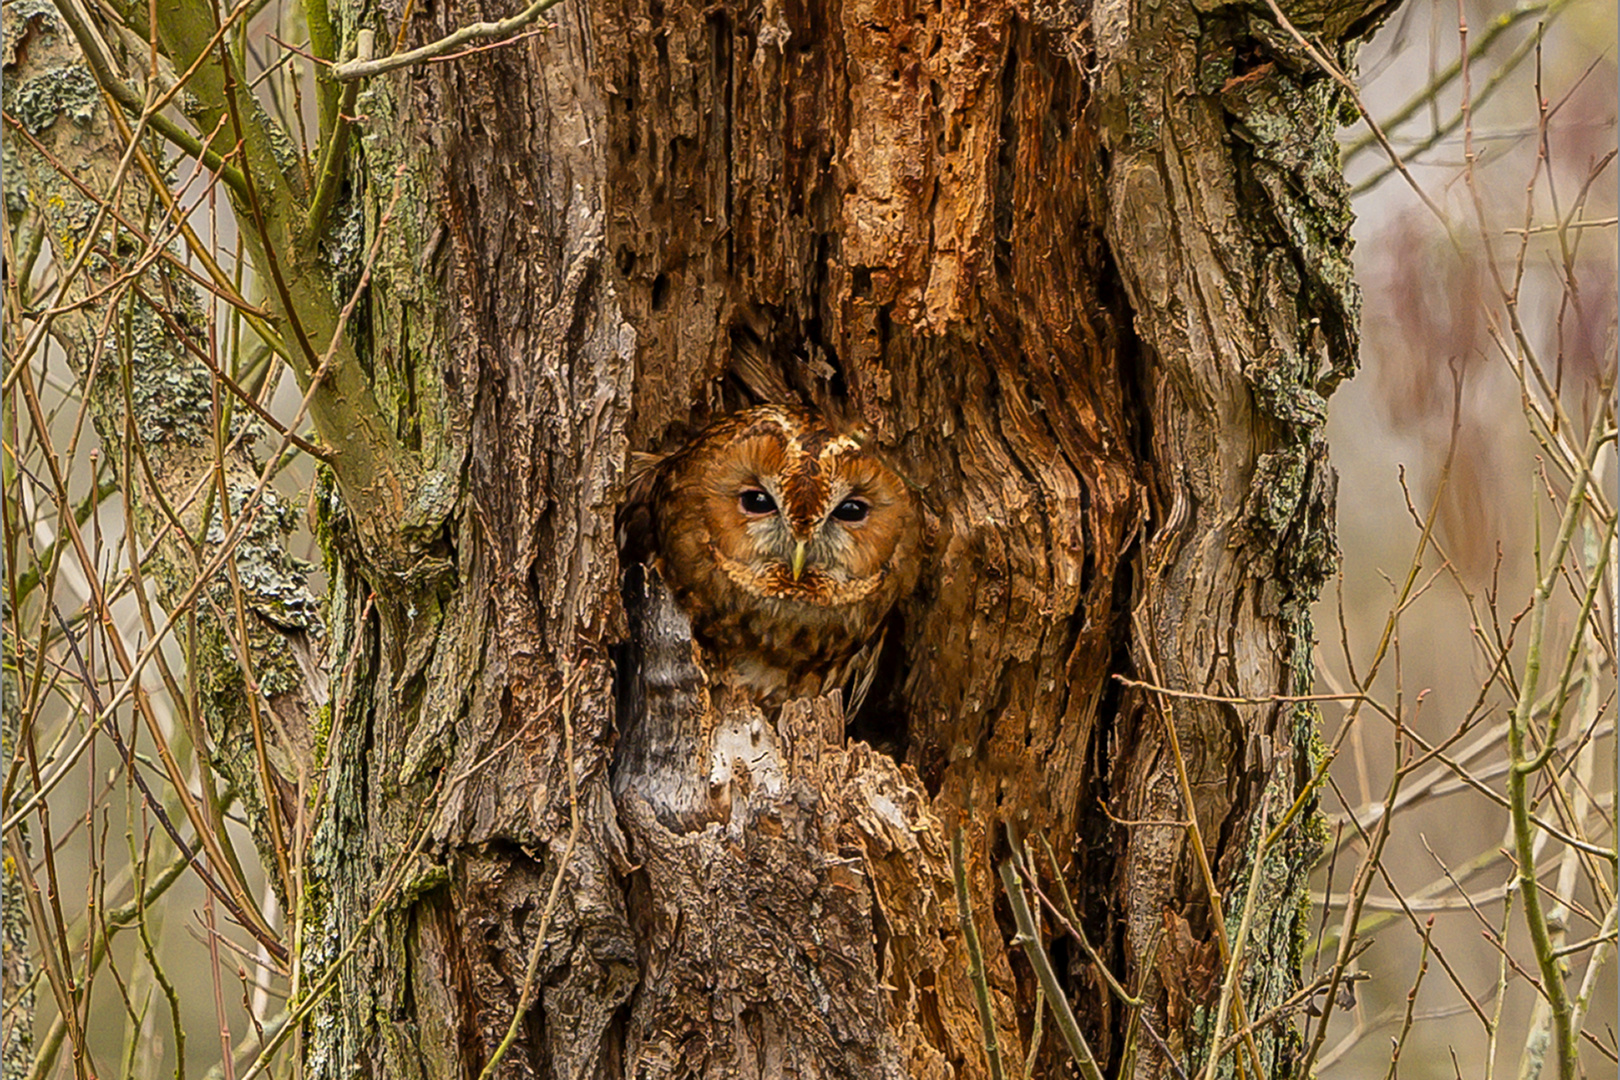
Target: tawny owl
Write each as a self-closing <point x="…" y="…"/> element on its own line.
<point x="787" y="543"/>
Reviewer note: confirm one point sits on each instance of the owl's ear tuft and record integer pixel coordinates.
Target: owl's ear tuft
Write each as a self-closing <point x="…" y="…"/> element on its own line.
<point x="643" y="467"/>
<point x="757" y="371"/>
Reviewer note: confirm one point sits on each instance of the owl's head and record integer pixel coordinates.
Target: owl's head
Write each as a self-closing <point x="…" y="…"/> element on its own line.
<point x="797" y="511"/>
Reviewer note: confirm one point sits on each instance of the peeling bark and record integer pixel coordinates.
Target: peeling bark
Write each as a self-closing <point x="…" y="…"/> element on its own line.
<point x="1230" y="225"/>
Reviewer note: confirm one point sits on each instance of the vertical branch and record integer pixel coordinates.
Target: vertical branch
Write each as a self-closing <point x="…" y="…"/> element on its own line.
<point x="171" y="996"/>
<point x="976" y="971"/>
<point x="334" y="150"/>
<point x="323" y="45"/>
<point x="1523" y="765"/>
<point x="1358" y="897"/>
<point x="1029" y="938"/>
<point x="1234" y="961"/>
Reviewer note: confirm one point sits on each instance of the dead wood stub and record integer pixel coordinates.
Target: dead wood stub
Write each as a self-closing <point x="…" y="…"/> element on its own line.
<point x="791" y="895"/>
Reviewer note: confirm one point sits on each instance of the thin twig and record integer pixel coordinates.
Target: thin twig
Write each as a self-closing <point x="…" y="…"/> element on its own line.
<point x="480" y="31"/>
<point x="1411" y="1004"/>
<point x="976" y="971"/>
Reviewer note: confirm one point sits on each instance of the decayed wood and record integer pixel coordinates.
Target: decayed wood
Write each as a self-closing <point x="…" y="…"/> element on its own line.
<point x="792" y="893"/>
<point x="871" y="193"/>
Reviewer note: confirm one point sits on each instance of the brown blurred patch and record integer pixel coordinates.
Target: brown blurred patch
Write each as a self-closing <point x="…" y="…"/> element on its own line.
<point x="1430" y="331"/>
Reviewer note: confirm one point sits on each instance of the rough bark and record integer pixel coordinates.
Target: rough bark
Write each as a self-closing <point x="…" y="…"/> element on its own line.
<point x="16" y="967"/>
<point x="1230" y="225"/>
<point x="1081" y="269"/>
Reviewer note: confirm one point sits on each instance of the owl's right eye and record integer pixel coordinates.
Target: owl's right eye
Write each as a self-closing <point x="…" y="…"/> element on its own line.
<point x="754" y="501"/>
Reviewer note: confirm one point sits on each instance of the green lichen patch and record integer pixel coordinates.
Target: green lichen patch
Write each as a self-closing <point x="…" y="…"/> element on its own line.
<point x="172" y="393"/>
<point x="64" y="92"/>
<point x="25" y="17"/>
<point x="1287" y="122"/>
<point x="1281" y="389"/>
<point x="1279" y="479"/>
<point x="274" y="580"/>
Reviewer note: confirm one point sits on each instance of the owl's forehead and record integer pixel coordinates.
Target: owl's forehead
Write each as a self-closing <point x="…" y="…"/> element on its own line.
<point x="795" y="442"/>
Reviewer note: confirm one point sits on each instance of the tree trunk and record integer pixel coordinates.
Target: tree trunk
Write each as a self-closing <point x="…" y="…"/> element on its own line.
<point x="1083" y="271"/>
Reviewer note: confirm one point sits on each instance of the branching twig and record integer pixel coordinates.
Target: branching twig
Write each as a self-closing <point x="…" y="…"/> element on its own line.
<point x="1524" y="832"/>
<point x="481" y="31"/>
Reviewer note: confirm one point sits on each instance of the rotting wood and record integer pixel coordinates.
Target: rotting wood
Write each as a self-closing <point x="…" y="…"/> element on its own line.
<point x="794" y="905"/>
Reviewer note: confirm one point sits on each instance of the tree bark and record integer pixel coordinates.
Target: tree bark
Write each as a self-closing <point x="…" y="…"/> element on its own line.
<point x="1082" y="270"/>
<point x="1230" y="225"/>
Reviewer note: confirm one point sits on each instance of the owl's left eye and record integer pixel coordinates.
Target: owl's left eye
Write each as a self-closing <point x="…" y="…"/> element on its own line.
<point x="755" y="501"/>
<point x="851" y="510"/>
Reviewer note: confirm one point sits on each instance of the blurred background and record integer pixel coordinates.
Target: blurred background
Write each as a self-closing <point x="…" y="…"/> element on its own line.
<point x="1484" y="314"/>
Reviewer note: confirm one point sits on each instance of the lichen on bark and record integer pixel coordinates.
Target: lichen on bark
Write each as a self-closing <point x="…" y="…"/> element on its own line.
<point x="152" y="401"/>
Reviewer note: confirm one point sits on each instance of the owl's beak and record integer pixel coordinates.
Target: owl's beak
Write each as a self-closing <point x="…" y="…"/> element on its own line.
<point x="798" y="559"/>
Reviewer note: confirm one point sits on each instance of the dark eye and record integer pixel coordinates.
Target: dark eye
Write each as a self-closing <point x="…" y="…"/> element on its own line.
<point x="755" y="501"/>
<point x="851" y="510"/>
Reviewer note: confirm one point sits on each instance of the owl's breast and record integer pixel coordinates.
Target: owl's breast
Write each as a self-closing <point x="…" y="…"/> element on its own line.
<point x="783" y="648"/>
<point x="790" y="630"/>
<point x="774" y="647"/>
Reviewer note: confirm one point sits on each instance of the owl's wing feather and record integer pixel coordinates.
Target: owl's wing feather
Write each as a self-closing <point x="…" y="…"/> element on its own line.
<point x="860" y="673"/>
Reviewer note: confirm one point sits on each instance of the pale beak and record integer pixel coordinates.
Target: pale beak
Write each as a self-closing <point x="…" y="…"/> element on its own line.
<point x="798" y="560"/>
